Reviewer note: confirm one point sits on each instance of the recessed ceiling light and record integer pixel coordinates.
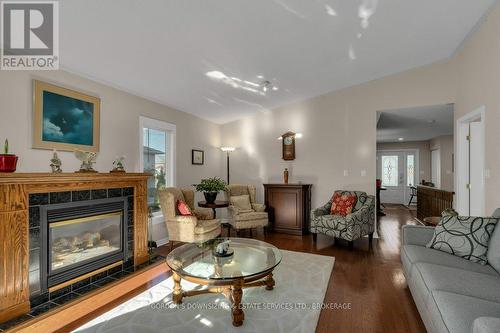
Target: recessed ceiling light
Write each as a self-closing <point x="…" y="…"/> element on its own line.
<point x="401" y="139"/>
<point x="330" y="11"/>
<point x="218" y="75"/>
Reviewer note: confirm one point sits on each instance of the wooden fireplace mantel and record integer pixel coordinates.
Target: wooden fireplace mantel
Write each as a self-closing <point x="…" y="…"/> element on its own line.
<point x="14" y="225"/>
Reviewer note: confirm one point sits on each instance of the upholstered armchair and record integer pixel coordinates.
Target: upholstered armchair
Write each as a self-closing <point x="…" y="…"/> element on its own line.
<point x="359" y="223"/>
<point x="245" y="213"/>
<point x="199" y="227"/>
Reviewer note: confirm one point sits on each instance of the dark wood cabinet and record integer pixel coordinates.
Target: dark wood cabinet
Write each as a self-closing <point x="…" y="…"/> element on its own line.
<point x="288" y="206"/>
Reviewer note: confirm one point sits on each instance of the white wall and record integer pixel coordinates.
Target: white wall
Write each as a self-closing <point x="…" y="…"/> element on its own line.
<point x="339" y="127"/>
<point x="478" y="84"/>
<point x="120" y="113"/>
<point x="339" y="132"/>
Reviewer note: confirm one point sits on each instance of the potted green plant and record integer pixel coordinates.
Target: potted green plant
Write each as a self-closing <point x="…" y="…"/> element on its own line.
<point x="8" y="162"/>
<point x="210" y="188"/>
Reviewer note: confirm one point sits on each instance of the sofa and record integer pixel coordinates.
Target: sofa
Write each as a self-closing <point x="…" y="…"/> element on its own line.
<point x="359" y="223"/>
<point x="452" y="295"/>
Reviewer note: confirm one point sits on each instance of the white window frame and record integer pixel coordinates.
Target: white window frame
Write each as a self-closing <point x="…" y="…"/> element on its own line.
<point x="170" y="129"/>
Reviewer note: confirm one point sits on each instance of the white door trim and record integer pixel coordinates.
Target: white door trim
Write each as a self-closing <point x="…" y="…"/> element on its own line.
<point x="462" y="159"/>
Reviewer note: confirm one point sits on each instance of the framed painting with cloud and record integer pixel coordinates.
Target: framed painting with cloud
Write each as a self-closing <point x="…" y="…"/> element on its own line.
<point x="65" y="119"/>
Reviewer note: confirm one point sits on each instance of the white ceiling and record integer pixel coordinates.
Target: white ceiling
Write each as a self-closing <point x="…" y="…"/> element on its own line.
<point x="415" y="124"/>
<point x="162" y="49"/>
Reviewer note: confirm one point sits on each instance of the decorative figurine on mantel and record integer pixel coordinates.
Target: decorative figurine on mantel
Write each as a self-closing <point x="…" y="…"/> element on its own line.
<point x="87" y="159"/>
<point x="55" y="162"/>
<point x="285" y="176"/>
<point x="118" y="164"/>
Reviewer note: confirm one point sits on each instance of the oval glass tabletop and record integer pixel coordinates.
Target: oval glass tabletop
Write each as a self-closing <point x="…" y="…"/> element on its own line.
<point x="251" y="257"/>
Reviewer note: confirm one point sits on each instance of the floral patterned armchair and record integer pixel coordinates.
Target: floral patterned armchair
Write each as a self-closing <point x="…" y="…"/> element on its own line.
<point x="359" y="223"/>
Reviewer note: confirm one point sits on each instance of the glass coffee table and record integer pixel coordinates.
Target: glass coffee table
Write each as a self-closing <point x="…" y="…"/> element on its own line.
<point x="251" y="265"/>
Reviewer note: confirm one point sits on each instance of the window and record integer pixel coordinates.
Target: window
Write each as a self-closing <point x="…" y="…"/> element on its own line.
<point x="390" y="170"/>
<point x="410" y="170"/>
<point x="157" y="156"/>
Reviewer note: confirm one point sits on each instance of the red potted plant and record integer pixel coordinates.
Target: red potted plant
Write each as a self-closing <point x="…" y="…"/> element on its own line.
<point x="8" y="162"/>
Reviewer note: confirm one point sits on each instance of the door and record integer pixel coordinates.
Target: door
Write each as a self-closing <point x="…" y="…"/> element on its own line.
<point x="476" y="178"/>
<point x="398" y="171"/>
<point x="436" y="167"/>
<point x="470" y="166"/>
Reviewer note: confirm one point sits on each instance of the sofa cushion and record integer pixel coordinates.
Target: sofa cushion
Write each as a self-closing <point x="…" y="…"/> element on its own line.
<point x="459" y="281"/>
<point x="486" y="325"/>
<point x="251" y="216"/>
<point x="204" y="226"/>
<point x="458" y="312"/>
<point x="342" y="204"/>
<point x="494" y="249"/>
<point x="411" y="254"/>
<point x="241" y="202"/>
<point x="204" y="213"/>
<point x="464" y="236"/>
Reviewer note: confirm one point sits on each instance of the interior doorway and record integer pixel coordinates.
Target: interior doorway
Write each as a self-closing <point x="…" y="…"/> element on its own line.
<point x="470" y="171"/>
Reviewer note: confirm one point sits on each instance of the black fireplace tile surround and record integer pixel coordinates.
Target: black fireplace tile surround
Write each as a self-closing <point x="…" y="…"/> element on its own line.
<point x="40" y="199"/>
<point x="99" y="194"/>
<point x="34" y="216"/>
<point x="37" y="199"/>
<point x="80" y="195"/>
<point x="59" y="197"/>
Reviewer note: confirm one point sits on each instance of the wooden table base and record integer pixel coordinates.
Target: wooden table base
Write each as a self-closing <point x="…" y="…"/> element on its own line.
<point x="232" y="289"/>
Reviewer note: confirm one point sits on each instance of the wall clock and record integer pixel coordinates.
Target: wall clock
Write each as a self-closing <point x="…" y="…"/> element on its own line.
<point x="288" y="146"/>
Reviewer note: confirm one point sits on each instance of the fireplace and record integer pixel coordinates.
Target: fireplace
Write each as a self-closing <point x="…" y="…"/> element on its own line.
<point x="81" y="237"/>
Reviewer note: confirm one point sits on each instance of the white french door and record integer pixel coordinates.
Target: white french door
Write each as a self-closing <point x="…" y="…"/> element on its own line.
<point x="398" y="171"/>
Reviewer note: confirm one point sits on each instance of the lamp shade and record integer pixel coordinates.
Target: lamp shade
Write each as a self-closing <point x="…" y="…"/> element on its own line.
<point x="226" y="149"/>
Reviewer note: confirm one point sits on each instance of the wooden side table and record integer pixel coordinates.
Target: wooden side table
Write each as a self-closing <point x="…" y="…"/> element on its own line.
<point x="214" y="206"/>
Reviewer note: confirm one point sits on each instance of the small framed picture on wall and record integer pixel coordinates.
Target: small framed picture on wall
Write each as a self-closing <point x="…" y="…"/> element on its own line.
<point x="197" y="157"/>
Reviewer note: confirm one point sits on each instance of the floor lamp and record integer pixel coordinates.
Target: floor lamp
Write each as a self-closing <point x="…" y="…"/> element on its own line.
<point x="228" y="151"/>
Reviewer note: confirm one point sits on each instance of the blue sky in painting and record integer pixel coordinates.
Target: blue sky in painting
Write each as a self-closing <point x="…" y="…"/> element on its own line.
<point x="67" y="120"/>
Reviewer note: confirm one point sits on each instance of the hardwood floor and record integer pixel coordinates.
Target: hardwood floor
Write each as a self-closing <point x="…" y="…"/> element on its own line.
<point x="368" y="282"/>
<point x="371" y="281"/>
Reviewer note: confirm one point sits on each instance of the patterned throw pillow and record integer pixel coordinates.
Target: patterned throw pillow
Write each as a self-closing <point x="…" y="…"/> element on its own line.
<point x="342" y="204"/>
<point x="242" y="202"/>
<point x="464" y="236"/>
<point x="183" y="208"/>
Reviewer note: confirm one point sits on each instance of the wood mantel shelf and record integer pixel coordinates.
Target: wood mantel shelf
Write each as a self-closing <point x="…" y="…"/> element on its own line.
<point x="46" y="177"/>
<point x="15" y="189"/>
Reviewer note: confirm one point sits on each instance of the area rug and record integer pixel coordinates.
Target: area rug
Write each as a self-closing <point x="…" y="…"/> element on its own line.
<point x="293" y="306"/>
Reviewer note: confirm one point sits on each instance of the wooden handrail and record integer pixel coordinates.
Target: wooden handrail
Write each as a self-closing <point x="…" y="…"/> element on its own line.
<point x="432" y="201"/>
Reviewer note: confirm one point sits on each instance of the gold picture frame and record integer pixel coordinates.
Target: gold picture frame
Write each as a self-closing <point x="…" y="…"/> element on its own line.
<point x="65" y="119"/>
